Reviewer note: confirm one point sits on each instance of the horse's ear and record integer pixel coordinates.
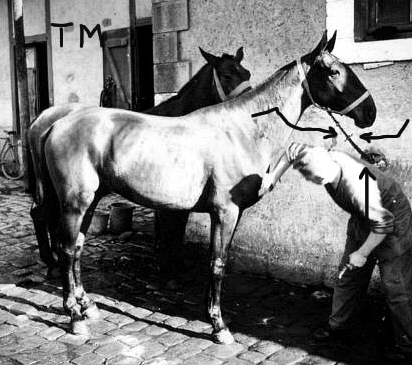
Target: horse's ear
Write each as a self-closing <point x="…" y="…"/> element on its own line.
<point x="320" y="47"/>
<point x="331" y="43"/>
<point x="211" y="59"/>
<point x="239" y="55"/>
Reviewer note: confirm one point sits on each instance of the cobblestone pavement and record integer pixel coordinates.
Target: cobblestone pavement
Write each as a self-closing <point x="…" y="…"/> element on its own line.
<point x="143" y="320"/>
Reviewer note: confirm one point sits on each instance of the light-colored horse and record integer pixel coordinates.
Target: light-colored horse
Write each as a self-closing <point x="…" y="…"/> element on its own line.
<point x="211" y="160"/>
<point x="220" y="79"/>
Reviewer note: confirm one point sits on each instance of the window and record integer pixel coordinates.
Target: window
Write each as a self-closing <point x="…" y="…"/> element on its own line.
<point x="352" y="20"/>
<point x="382" y="19"/>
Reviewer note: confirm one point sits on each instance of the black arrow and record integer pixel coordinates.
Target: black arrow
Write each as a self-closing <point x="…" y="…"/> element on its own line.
<point x="365" y="172"/>
<point x="368" y="136"/>
<point x="330" y="133"/>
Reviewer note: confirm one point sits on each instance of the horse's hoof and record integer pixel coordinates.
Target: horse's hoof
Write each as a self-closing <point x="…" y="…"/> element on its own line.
<point x="91" y="312"/>
<point x="223" y="337"/>
<point x="80" y="328"/>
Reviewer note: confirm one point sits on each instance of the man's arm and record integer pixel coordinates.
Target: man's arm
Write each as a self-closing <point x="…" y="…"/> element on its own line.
<point x="358" y="257"/>
<point x="380" y="219"/>
<point x="269" y="180"/>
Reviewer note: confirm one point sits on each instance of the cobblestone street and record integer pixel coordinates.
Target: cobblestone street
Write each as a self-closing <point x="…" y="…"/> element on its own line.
<point x="143" y="320"/>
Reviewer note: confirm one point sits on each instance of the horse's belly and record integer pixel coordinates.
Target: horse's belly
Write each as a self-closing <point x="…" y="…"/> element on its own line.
<point x="161" y="185"/>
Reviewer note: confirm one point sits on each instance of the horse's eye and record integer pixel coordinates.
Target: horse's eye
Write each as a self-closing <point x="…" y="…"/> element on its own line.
<point x="334" y="72"/>
<point x="227" y="77"/>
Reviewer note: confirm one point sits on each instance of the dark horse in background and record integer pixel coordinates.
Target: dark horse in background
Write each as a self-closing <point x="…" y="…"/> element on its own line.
<point x="220" y="79"/>
<point x="211" y="160"/>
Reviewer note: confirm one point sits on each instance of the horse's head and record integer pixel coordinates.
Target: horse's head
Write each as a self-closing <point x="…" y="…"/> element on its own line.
<point x="233" y="77"/>
<point x="335" y="86"/>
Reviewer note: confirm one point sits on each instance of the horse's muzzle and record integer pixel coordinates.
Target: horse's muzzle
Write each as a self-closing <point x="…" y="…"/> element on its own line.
<point x="363" y="124"/>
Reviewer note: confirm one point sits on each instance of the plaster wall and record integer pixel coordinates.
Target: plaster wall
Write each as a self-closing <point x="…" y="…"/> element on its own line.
<point x="296" y="232"/>
<point x="77" y="72"/>
<point x="143" y="9"/>
<point x="5" y="79"/>
<point x="34" y="17"/>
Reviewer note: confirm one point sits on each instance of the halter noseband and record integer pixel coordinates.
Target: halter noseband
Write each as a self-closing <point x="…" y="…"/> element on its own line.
<point x="350" y="107"/>
<point x="235" y="92"/>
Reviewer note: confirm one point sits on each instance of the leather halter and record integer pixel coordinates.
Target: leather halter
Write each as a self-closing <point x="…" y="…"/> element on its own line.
<point x="235" y="92"/>
<point x="350" y="107"/>
<point x="353" y="105"/>
<point x="344" y="111"/>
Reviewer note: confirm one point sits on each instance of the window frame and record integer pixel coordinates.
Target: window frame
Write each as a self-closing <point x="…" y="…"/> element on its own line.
<point x="340" y="16"/>
<point x="366" y="23"/>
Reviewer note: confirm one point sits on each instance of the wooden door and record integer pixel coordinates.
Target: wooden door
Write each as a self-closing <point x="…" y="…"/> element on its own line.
<point x="117" y="66"/>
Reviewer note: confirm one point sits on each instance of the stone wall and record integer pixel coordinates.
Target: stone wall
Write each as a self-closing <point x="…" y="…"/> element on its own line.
<point x="171" y="72"/>
<point x="296" y="232"/>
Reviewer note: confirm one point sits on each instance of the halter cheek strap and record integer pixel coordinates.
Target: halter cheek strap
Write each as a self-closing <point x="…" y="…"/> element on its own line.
<point x="235" y="92"/>
<point x="350" y="107"/>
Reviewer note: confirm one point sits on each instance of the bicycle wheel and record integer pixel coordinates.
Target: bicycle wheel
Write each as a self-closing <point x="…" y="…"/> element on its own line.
<point x="10" y="164"/>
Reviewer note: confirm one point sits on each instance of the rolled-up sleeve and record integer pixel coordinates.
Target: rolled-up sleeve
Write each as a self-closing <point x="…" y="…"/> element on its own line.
<point x="380" y="220"/>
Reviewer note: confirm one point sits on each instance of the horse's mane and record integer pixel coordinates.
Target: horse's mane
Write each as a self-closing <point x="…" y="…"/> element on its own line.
<point x="280" y="79"/>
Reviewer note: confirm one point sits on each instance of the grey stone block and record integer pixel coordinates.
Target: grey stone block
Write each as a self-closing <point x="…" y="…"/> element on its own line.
<point x="170" y="77"/>
<point x="165" y="47"/>
<point x="170" y="16"/>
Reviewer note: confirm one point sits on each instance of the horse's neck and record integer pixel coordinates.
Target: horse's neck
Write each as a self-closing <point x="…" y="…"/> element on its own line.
<point x="270" y="133"/>
<point x="283" y="90"/>
<point x="197" y="93"/>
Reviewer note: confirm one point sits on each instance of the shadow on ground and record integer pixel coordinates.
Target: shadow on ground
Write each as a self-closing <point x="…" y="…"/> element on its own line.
<point x="272" y="319"/>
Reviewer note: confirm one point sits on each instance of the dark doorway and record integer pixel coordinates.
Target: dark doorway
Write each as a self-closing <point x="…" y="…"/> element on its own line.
<point x="144" y="68"/>
<point x="37" y="79"/>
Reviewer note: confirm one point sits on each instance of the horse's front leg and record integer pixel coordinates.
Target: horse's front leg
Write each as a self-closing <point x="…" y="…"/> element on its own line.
<point x="223" y="226"/>
<point x="75" y="299"/>
<point x="67" y="255"/>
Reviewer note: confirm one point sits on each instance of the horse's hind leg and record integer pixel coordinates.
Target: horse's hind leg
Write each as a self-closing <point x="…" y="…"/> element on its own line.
<point x="88" y="307"/>
<point x="223" y="226"/>
<point x="72" y="240"/>
<point x="40" y="222"/>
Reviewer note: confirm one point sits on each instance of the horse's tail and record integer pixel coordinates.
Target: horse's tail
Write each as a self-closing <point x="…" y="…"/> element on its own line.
<point x="39" y="167"/>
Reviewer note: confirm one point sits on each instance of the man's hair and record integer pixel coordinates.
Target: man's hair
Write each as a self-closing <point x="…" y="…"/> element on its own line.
<point x="376" y="157"/>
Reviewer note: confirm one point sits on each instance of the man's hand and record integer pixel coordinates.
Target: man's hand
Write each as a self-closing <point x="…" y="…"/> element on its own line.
<point x="357" y="259"/>
<point x="268" y="183"/>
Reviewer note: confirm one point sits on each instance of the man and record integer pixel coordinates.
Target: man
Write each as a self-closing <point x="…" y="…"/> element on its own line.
<point x="384" y="238"/>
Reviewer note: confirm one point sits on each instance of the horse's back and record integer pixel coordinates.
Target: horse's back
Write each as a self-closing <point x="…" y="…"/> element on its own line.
<point x="150" y="159"/>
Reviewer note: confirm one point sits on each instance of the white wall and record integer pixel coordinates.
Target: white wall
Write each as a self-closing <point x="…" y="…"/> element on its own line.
<point x="78" y="72"/>
<point x="34" y="17"/>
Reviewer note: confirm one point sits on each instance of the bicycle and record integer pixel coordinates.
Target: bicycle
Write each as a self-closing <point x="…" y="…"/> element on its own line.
<point x="11" y="165"/>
